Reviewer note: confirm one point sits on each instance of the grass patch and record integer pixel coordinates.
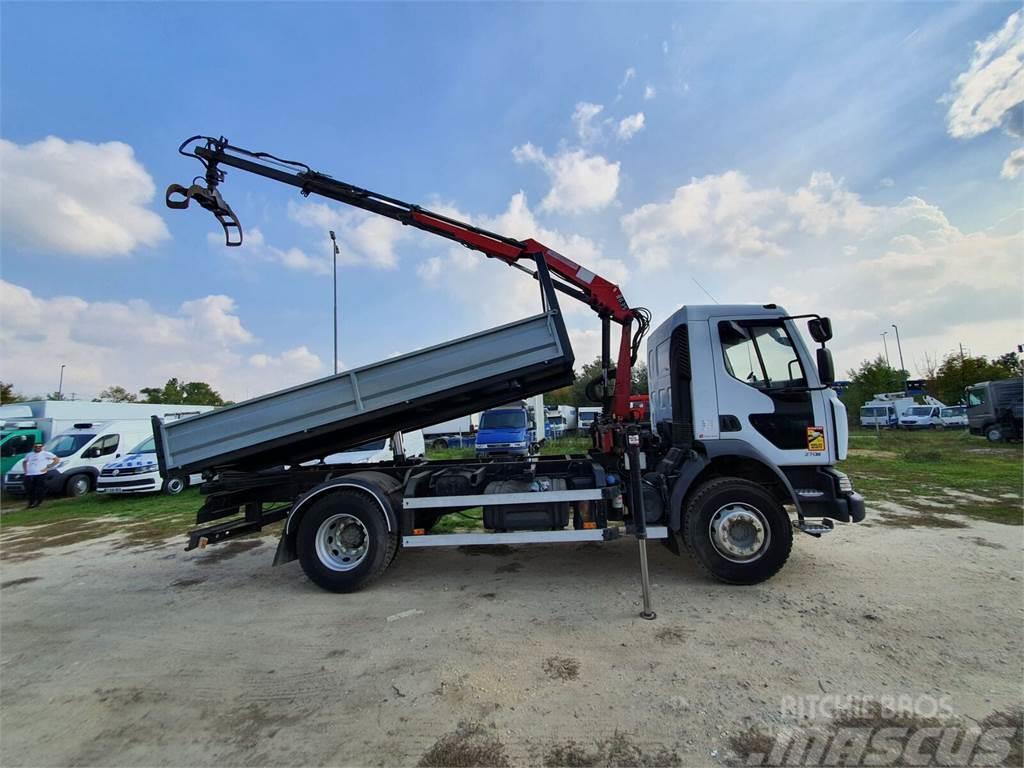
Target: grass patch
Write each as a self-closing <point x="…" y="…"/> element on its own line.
<point x="941" y="470"/>
<point x="561" y="668"/>
<point x="618" y="751"/>
<point x="469" y="745"/>
<point x="144" y="519"/>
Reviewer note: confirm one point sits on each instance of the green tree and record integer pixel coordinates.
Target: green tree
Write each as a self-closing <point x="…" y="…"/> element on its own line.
<point x="871" y="378"/>
<point x="8" y="395"/>
<point x="175" y="392"/>
<point x="1013" y="364"/>
<point x="116" y="394"/>
<point x="960" y="371"/>
<point x="561" y="396"/>
<point x="640" y="386"/>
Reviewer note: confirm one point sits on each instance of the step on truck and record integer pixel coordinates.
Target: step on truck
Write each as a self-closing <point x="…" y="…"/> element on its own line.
<point x="738" y="455"/>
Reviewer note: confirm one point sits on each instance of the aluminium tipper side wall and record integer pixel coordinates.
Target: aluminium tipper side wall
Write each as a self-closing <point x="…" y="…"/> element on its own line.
<point x="309" y="421"/>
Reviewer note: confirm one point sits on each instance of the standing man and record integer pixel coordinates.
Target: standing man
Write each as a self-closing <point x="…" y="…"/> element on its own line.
<point x="37" y="464"/>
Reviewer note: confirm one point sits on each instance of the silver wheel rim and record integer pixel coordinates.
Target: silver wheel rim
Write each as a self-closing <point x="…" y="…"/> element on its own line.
<point x="79" y="486"/>
<point x="342" y="542"/>
<point x="175" y="485"/>
<point x="739" y="532"/>
<point x="994" y="435"/>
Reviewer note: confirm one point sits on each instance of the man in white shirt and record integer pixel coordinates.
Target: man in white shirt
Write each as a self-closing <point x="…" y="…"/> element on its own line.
<point x="37" y="464"/>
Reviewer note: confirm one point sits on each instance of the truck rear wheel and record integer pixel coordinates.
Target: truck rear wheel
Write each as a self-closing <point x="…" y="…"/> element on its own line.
<point x="343" y="542"/>
<point x="737" y="531"/>
<point x="994" y="434"/>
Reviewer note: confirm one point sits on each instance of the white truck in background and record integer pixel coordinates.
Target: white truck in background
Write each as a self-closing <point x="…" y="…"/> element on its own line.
<point x="560" y="421"/>
<point x="927" y="416"/>
<point x="885" y="409"/>
<point x="453" y="433"/>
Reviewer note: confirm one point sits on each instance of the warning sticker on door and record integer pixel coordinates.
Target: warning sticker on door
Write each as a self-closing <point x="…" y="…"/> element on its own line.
<point x="815" y="438"/>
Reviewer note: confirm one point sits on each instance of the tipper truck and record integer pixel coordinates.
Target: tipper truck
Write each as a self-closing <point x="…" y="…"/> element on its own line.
<point x="739" y="452"/>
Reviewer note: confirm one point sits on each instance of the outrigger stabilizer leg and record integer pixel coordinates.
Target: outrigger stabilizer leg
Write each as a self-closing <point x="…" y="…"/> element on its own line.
<point x="636" y="493"/>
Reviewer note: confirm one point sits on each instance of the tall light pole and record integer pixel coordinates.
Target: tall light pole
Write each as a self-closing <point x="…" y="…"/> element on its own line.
<point x="60" y="385"/>
<point x="900" y="348"/>
<point x="886" y="345"/>
<point x="334" y="258"/>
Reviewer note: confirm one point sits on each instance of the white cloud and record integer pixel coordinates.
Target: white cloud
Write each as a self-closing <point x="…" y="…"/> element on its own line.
<point x="649" y="92"/>
<point x="627" y="76"/>
<point x="579" y="181"/>
<point x="132" y="344"/>
<point x="887" y="183"/>
<point x="630" y="126"/>
<point x="77" y="198"/>
<point x="821" y="248"/>
<point x="254" y="247"/>
<point x="664" y="47"/>
<point x="1013" y="164"/>
<point x="583" y="118"/>
<point x="990" y="93"/>
<point x="363" y="237"/>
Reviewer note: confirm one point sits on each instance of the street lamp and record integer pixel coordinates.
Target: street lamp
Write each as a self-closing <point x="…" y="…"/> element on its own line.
<point x="60" y="385"/>
<point x="886" y="345"/>
<point x="334" y="258"/>
<point x="900" y="348"/>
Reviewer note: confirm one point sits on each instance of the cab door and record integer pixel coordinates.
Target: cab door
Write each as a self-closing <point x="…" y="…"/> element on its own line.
<point x="765" y="382"/>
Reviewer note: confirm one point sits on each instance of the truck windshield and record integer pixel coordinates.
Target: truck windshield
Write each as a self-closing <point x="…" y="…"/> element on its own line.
<point x="556" y="420"/>
<point x="947" y="412"/>
<point x="66" y="445"/>
<point x="872" y="411"/>
<point x="503" y="420"/>
<point x="976" y="396"/>
<point x="146" y="446"/>
<point x="919" y="411"/>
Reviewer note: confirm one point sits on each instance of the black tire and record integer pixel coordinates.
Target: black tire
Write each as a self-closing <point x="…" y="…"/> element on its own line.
<point x="175" y="484"/>
<point x="439" y="445"/>
<point x="712" y="498"/>
<point x="994" y="433"/>
<point x="78" y="485"/>
<point x="381" y="545"/>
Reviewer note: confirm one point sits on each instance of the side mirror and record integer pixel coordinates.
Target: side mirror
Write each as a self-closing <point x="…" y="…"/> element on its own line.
<point x="91" y="453"/>
<point x="826" y="369"/>
<point x="820" y="328"/>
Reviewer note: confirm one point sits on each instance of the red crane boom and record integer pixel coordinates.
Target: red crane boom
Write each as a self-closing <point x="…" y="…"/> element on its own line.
<point x="603" y="296"/>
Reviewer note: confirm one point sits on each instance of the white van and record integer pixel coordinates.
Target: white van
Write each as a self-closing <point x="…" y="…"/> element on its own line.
<point x="137" y="472"/>
<point x="921" y="417"/>
<point x="83" y="452"/>
<point x="954" y="416"/>
<point x="379" y="450"/>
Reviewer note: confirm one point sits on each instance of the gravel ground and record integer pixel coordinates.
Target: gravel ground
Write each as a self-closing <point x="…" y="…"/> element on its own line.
<point x="147" y="655"/>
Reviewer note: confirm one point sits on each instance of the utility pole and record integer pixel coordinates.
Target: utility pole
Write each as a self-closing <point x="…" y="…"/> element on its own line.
<point x="900" y="348"/>
<point x="886" y="345"/>
<point x="60" y="385"/>
<point x="334" y="258"/>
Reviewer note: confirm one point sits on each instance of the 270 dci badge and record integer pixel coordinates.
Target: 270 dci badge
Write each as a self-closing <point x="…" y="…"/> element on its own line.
<point x="816" y="439"/>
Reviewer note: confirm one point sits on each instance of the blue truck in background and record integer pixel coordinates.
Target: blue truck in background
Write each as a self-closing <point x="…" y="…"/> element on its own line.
<point x="506" y="431"/>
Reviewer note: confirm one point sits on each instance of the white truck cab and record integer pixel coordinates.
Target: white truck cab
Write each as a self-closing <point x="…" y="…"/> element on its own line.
<point x="738" y="386"/>
<point x="954" y="416"/>
<point x="382" y="449"/>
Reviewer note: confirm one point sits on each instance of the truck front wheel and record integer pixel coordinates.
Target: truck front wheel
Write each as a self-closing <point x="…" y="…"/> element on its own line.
<point x="343" y="542"/>
<point x="737" y="531"/>
<point x="78" y="485"/>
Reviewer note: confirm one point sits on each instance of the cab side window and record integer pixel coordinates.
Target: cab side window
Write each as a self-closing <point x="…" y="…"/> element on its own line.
<point x="17" y="445"/>
<point x="107" y="445"/>
<point x="762" y="356"/>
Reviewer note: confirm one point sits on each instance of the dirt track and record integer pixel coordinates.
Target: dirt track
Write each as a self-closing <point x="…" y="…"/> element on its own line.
<point x="160" y="657"/>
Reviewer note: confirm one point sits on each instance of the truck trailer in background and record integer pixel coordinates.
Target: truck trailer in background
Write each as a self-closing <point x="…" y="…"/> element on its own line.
<point x="995" y="409"/>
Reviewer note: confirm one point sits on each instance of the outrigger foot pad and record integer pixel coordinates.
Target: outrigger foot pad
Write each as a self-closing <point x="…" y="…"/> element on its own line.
<point x="178" y="198"/>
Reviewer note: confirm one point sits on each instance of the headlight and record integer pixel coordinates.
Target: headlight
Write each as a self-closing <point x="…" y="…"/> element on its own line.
<point x="482" y="445"/>
<point x="517" y="445"/>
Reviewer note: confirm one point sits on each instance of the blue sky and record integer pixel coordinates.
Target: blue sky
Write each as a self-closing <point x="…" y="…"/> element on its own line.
<point x="818" y="155"/>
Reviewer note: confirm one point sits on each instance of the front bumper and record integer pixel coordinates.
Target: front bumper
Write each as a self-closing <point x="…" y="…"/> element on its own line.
<point x="127" y="485"/>
<point x="826" y="492"/>
<point x="501" y="450"/>
<point x="16" y="485"/>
